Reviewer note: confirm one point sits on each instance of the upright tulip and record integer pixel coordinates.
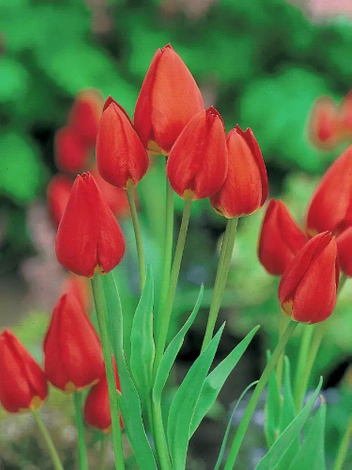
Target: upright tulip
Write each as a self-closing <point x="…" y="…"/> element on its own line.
<point x="280" y="238"/>
<point x="71" y="151"/>
<point x="23" y="385"/>
<point x="58" y="193"/>
<point x="168" y="99"/>
<point x="197" y="164"/>
<point x="325" y="128"/>
<point x="73" y="357"/>
<point x="85" y="114"/>
<point x="89" y="237"/>
<point x="246" y="186"/>
<point x="308" y="287"/>
<point x="121" y="156"/>
<point x="331" y="205"/>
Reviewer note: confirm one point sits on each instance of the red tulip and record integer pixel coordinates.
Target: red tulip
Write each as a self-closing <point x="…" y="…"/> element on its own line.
<point x="246" y="186"/>
<point x="307" y="291"/>
<point x="85" y="114"/>
<point x="168" y="99"/>
<point x="72" y="349"/>
<point x="280" y="238"/>
<point x="121" y="157"/>
<point x="330" y="206"/>
<point x="58" y="193"/>
<point x="97" y="406"/>
<point x="71" y="151"/>
<point x="325" y="126"/>
<point x="23" y="385"/>
<point x="89" y="237"/>
<point x="344" y="248"/>
<point x="197" y="164"/>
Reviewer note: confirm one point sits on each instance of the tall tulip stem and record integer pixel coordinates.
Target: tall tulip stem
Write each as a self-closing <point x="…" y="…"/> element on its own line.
<point x="48" y="441"/>
<point x="343" y="448"/>
<point x="241" y="431"/>
<point x="82" y="449"/>
<point x="303" y="356"/>
<point x="222" y="273"/>
<point x="102" y="316"/>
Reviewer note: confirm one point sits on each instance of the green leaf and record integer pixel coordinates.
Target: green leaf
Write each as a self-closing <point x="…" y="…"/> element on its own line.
<point x="272" y="408"/>
<point x="142" y="341"/>
<point x="311" y="455"/>
<point x="129" y="401"/>
<point x="172" y="351"/>
<point x="229" y="424"/>
<point x="280" y="447"/>
<point x="185" y="402"/>
<point x="216" y="379"/>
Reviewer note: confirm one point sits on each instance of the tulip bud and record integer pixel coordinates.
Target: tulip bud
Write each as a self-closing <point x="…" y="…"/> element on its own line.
<point x="246" y="186"/>
<point x="325" y="128"/>
<point x="121" y="157"/>
<point x="280" y="238"/>
<point x="89" y="237"/>
<point x="58" y="193"/>
<point x="97" y="406"/>
<point x="23" y="385"/>
<point x="85" y="114"/>
<point x="330" y="206"/>
<point x="71" y="151"/>
<point x="73" y="358"/>
<point x="168" y="99"/>
<point x="197" y="164"/>
<point x="344" y="248"/>
<point x="307" y="291"/>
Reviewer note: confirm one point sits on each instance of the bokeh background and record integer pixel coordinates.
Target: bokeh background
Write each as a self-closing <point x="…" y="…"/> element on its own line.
<point x="263" y="63"/>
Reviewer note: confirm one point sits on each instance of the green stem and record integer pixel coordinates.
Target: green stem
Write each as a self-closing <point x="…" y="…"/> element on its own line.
<point x="280" y="362"/>
<point x="101" y="310"/>
<point x="221" y="278"/>
<point x="138" y="235"/>
<point x="166" y="314"/>
<point x="82" y="449"/>
<point x="102" y="453"/>
<point x="167" y="253"/>
<point x="343" y="448"/>
<point x="236" y="444"/>
<point x="48" y="441"/>
<point x="303" y="355"/>
<point x="160" y="438"/>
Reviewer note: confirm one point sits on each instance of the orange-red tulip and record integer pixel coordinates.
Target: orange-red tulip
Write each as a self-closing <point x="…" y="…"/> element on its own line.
<point x="197" y="164"/>
<point x="331" y="205"/>
<point x="58" y="193"/>
<point x="168" y="99"/>
<point x="325" y="124"/>
<point x="246" y="186"/>
<point x="280" y="238"/>
<point x="89" y="237"/>
<point x="73" y="357"/>
<point x="308" y="287"/>
<point x="23" y="385"/>
<point x="71" y="151"/>
<point x="85" y="114"/>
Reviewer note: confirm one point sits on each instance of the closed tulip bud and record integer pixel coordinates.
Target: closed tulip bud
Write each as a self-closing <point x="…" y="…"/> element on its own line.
<point x="73" y="357"/>
<point x="23" y="385"/>
<point x="325" y="126"/>
<point x="168" y="99"/>
<point x="330" y="206"/>
<point x="197" y="164"/>
<point x="280" y="238"/>
<point x="121" y="156"/>
<point x="71" y="151"/>
<point x="246" y="186"/>
<point x="89" y="238"/>
<point x="97" y="405"/>
<point x="307" y="291"/>
<point x="85" y="114"/>
<point x="344" y="248"/>
<point x="58" y="193"/>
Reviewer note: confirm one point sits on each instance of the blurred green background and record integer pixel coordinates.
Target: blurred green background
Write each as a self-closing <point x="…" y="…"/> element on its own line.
<point x="262" y="63"/>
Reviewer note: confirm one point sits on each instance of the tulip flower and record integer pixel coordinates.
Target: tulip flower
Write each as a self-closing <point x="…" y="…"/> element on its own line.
<point x="58" y="193"/>
<point x="23" y="385"/>
<point x="73" y="357"/>
<point x="325" y="125"/>
<point x="168" y="99"/>
<point x="71" y="151"/>
<point x="307" y="291"/>
<point x="121" y="156"/>
<point x="246" y="186"/>
<point x="97" y="406"/>
<point x="89" y="238"/>
<point x="344" y="248"/>
<point x="85" y="115"/>
<point x="197" y="164"/>
<point x="280" y="238"/>
<point x="330" y="206"/>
